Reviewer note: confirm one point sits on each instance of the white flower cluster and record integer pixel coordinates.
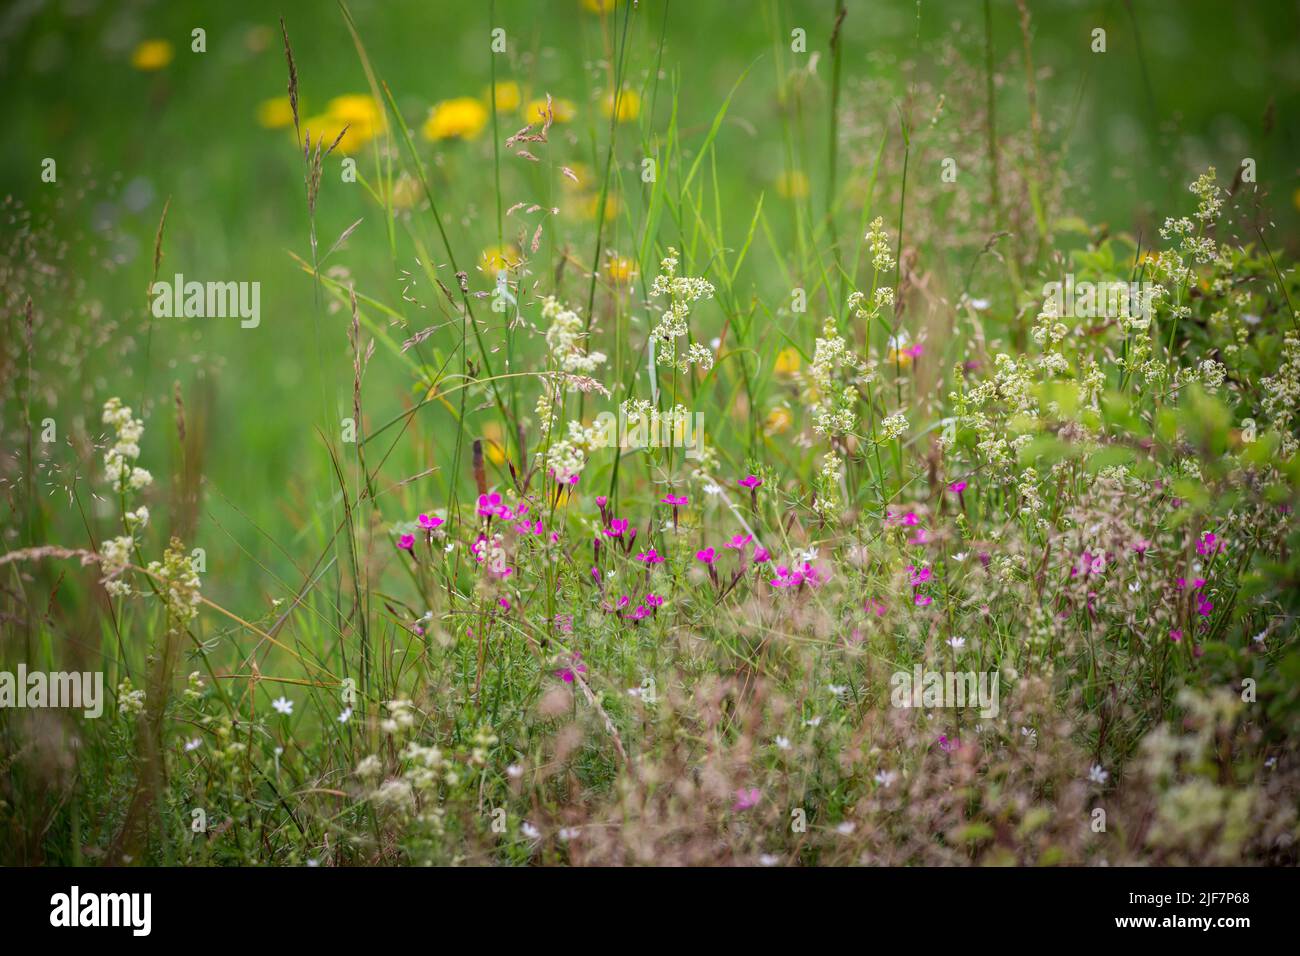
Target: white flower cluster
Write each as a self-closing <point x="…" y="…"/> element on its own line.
<point x="681" y="292"/>
<point x="401" y="716"/>
<point x="1282" y="393"/>
<point x="564" y="339"/>
<point x="893" y="426"/>
<point x="129" y="700"/>
<point x="118" y="460"/>
<point x="833" y="403"/>
<point x="178" y="583"/>
<point x="882" y="259"/>
<point x="115" y="554"/>
<point x="568" y="456"/>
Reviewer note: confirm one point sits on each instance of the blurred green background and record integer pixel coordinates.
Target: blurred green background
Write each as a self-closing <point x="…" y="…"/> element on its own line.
<point x="1181" y="85"/>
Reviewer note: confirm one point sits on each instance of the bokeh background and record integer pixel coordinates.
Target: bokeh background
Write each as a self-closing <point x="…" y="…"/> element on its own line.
<point x="113" y="92"/>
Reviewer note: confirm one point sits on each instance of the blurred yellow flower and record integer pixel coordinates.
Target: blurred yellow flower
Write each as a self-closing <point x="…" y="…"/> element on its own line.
<point x="461" y="118"/>
<point x="363" y="117"/>
<point x="779" y="420"/>
<point x="275" y="113"/>
<point x="581" y="172"/>
<point x="406" y="192"/>
<point x="562" y="111"/>
<point x="152" y="55"/>
<point x="590" y="204"/>
<point x="600" y="6"/>
<point x="493" y="447"/>
<point x="787" y="361"/>
<point x="495" y="258"/>
<point x="507" y="96"/>
<point x="1295" y="199"/>
<point x="792" y="185"/>
<point x="629" y="106"/>
<point x="621" y="269"/>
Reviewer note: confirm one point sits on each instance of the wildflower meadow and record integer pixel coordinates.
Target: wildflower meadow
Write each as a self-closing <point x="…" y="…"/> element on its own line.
<point x="609" y="433"/>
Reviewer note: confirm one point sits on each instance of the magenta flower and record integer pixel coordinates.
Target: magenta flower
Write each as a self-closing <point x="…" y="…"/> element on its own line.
<point x="1141" y="546"/>
<point x="739" y="541"/>
<point x="616" y="528"/>
<point x="651" y="557"/>
<point x="923" y="600"/>
<point x="1203" y="606"/>
<point x="957" y="487"/>
<point x="407" y="542"/>
<point x="600" y="501"/>
<point x="639" y="612"/>
<point x="750" y="481"/>
<point x="707" y="556"/>
<point x="746" y="799"/>
<point x="505" y="604"/>
<point x="489" y="505"/>
<point x="1208" y="544"/>
<point x="576" y="666"/>
<point x="654" y="600"/>
<point x="946" y="745"/>
<point x="1175" y="635"/>
<point x="875" y="607"/>
<point x="429" y="523"/>
<point x="761" y="556"/>
<point x="675" y="500"/>
<point x="918" y="576"/>
<point x="910" y="519"/>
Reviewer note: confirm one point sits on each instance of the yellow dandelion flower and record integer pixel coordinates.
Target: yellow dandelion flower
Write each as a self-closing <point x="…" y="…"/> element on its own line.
<point x="152" y="55"/>
<point x="778" y="420"/>
<point x="358" y="112"/>
<point x="275" y="113"/>
<point x="495" y="258"/>
<point x="461" y="118"/>
<point x="792" y="185"/>
<point x="787" y="361"/>
<point x="507" y="97"/>
<point x="599" y="6"/>
<point x="1295" y="199"/>
<point x="621" y="269"/>
<point x="562" y="111"/>
<point x="493" y="447"/>
<point x="629" y="106"/>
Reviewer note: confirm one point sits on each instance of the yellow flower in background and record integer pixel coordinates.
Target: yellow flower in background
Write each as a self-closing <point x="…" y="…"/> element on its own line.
<point x="778" y="420"/>
<point x="787" y="361"/>
<point x="507" y="97"/>
<point x="362" y="115"/>
<point x="406" y="192"/>
<point x="357" y="113"/>
<point x="621" y="269"/>
<point x="275" y="113"/>
<point x="600" y="6"/>
<point x="581" y="172"/>
<point x="629" y="106"/>
<point x="589" y="205"/>
<point x="461" y="118"/>
<point x="493" y="446"/>
<point x="792" y="185"/>
<point x="495" y="258"/>
<point x="1295" y="199"/>
<point x="152" y="55"/>
<point x="562" y="111"/>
